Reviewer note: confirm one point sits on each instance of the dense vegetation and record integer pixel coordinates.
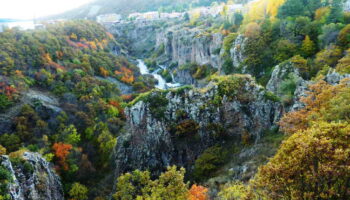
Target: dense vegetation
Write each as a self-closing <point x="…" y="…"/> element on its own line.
<point x="73" y="67"/>
<point x="70" y="60"/>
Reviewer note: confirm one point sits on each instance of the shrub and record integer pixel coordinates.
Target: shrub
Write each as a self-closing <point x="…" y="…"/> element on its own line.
<point x="5" y="102"/>
<point x="5" y="179"/>
<point x="233" y="87"/>
<point x="187" y="128"/>
<point x="271" y="96"/>
<point x="78" y="192"/>
<point x="209" y="161"/>
<point x="157" y="104"/>
<point x="287" y="88"/>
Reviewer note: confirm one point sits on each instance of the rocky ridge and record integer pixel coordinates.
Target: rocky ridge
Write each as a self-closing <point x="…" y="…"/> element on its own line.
<point x="211" y="115"/>
<point x="33" y="178"/>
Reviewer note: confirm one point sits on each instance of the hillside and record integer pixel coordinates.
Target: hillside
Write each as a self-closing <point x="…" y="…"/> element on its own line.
<point x="126" y="7"/>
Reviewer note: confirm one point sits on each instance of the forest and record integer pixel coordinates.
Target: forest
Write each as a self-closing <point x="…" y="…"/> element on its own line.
<point x="88" y="87"/>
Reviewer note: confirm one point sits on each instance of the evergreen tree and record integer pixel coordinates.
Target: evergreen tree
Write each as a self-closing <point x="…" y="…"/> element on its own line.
<point x="307" y="47"/>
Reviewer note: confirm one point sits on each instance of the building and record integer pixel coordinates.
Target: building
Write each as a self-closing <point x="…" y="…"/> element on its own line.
<point x="109" y="18"/>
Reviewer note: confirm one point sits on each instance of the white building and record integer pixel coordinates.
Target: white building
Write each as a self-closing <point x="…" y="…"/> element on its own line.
<point x="109" y="18"/>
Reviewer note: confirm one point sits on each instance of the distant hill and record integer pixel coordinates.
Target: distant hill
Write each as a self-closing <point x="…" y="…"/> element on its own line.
<point x="125" y="7"/>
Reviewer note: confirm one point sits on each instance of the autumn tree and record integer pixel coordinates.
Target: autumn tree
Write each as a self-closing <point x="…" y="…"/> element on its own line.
<point x="323" y="102"/>
<point x="197" y="192"/>
<point x="310" y="164"/>
<point x="61" y="151"/>
<point x="343" y="65"/>
<point x="344" y="36"/>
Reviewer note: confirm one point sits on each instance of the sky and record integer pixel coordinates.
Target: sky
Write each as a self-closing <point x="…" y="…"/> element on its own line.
<point x="28" y="9"/>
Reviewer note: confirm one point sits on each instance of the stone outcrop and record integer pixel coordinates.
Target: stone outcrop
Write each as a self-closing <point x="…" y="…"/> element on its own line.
<point x="190" y="45"/>
<point x="33" y="178"/>
<point x="281" y="73"/>
<point x="45" y="103"/>
<point x="152" y="142"/>
<point x="237" y="50"/>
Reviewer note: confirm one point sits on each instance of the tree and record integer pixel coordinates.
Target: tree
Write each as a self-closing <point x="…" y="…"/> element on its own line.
<point x="329" y="34"/>
<point x="343" y="65"/>
<point x="295" y="8"/>
<point x="328" y="56"/>
<point x="336" y="13"/>
<point x="323" y="102"/>
<point x="2" y="150"/>
<point x="61" y="151"/>
<point x="70" y="135"/>
<point x="237" y="191"/>
<point x="310" y="164"/>
<point x="197" y="192"/>
<point x="307" y="47"/>
<point x="170" y="185"/>
<point x="78" y="192"/>
<point x="138" y="185"/>
<point x="5" y="102"/>
<point x="344" y="36"/>
<point x="134" y="185"/>
<point x="209" y="161"/>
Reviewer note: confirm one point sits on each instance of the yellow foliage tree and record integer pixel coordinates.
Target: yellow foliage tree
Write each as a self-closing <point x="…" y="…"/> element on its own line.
<point x="261" y="9"/>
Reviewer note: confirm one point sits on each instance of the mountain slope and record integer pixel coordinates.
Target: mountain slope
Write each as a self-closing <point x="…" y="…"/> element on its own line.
<point x="125" y="7"/>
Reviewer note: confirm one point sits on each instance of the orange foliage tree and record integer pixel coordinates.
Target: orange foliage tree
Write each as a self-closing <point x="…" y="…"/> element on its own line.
<point x="321" y="103"/>
<point x="104" y="72"/>
<point x="61" y="151"/>
<point x="127" y="75"/>
<point x="197" y="192"/>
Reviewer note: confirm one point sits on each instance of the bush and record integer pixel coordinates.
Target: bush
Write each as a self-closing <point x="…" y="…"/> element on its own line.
<point x="157" y="104"/>
<point x="187" y="128"/>
<point x="5" y="102"/>
<point x="5" y="179"/>
<point x="233" y="87"/>
<point x="271" y="96"/>
<point x="287" y="88"/>
<point x="209" y="161"/>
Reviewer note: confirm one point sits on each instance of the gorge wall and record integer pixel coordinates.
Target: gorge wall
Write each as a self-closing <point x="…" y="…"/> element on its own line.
<point x="174" y="127"/>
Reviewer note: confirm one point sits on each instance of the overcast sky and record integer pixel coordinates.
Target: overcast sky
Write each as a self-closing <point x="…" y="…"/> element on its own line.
<point x="28" y="9"/>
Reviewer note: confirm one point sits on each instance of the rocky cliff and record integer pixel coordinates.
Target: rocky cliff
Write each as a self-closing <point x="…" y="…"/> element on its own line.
<point x="32" y="178"/>
<point x="176" y="126"/>
<point x="283" y="72"/>
<point x="191" y="45"/>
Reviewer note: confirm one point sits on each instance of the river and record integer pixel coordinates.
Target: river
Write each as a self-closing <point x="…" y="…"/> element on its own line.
<point x="162" y="84"/>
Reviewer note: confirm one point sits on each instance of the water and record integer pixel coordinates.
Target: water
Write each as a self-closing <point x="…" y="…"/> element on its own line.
<point x="162" y="84"/>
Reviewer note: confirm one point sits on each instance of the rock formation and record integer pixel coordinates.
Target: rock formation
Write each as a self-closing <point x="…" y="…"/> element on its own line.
<point x="33" y="178"/>
<point x="174" y="127"/>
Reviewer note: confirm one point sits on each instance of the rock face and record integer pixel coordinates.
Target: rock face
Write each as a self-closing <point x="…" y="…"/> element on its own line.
<point x="181" y="44"/>
<point x="46" y="104"/>
<point x="33" y="178"/>
<point x="138" y="37"/>
<point x="237" y="50"/>
<point x="281" y="72"/>
<point x="346" y="5"/>
<point x="153" y="142"/>
<point x="190" y="45"/>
